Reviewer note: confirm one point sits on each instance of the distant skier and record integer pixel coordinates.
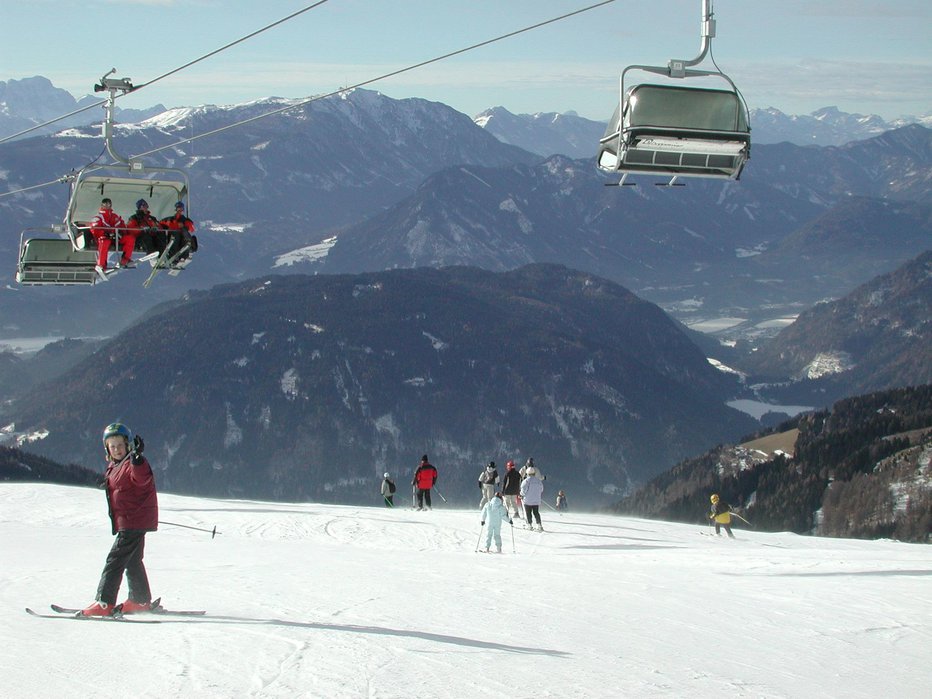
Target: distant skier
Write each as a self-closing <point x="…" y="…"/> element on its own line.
<point x="425" y="477"/>
<point x="532" y="492"/>
<point x="561" y="501"/>
<point x="530" y="464"/>
<point x="511" y="489"/>
<point x="488" y="479"/>
<point x="721" y="514"/>
<point x="133" y="507"/>
<point x="492" y="515"/>
<point x="388" y="490"/>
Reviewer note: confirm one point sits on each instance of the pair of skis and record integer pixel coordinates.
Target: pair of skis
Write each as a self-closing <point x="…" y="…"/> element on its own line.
<point x="157" y="609"/>
<point x="167" y="262"/>
<point x="105" y="274"/>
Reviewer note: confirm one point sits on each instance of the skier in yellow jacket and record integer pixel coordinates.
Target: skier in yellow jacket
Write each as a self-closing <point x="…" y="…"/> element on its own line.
<point x="721" y="515"/>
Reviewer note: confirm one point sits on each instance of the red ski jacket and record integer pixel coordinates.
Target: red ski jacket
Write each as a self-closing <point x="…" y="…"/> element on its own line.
<point x="105" y="222"/>
<point x="143" y="221"/>
<point x="131" y="499"/>
<point x="176" y="223"/>
<point x="425" y="476"/>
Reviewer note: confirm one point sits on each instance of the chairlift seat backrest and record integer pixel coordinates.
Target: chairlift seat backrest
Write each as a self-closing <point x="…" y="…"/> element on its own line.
<point x="684" y="108"/>
<point x="55" y="261"/>
<point x="160" y="194"/>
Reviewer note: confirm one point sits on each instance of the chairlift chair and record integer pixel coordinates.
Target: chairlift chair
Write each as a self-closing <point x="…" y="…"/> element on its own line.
<point x="70" y="258"/>
<point x="88" y="189"/>
<point x="47" y="260"/>
<point x="678" y="131"/>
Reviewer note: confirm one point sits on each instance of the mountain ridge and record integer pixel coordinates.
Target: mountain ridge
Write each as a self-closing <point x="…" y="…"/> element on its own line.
<point x="324" y="378"/>
<point x="859" y="469"/>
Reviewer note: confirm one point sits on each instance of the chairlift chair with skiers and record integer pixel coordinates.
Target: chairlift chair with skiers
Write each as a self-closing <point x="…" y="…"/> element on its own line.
<point x="678" y="131"/>
<point x="70" y="256"/>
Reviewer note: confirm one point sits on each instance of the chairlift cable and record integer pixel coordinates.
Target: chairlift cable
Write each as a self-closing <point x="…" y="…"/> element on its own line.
<point x="165" y="75"/>
<point x="231" y="44"/>
<point x="57" y="180"/>
<point x="384" y="76"/>
<point x="63" y="178"/>
<point x="51" y="121"/>
<point x="333" y="93"/>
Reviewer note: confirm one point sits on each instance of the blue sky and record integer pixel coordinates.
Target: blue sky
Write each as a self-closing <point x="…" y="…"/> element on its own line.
<point x="865" y="56"/>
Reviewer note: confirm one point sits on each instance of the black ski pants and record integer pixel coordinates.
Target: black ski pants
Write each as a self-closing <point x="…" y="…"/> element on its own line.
<point x="423" y="495"/>
<point x="727" y="527"/>
<point x="125" y="555"/>
<point x="532" y="510"/>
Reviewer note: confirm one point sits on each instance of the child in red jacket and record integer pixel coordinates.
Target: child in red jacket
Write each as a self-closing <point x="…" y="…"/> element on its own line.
<point x="134" y="510"/>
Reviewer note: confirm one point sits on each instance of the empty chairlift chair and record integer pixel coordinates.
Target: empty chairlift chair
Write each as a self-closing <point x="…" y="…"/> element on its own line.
<point x="54" y="261"/>
<point x="677" y="131"/>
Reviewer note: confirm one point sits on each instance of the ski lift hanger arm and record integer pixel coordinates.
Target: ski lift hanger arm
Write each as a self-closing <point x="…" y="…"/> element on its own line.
<point x="676" y="67"/>
<point x="685" y="73"/>
<point x="680" y="67"/>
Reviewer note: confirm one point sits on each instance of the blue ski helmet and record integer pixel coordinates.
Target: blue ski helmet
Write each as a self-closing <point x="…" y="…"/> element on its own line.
<point x="117" y="429"/>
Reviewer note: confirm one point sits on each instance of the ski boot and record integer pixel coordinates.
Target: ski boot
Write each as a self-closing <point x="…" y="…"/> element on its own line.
<point x="98" y="609"/>
<point x="132" y="607"/>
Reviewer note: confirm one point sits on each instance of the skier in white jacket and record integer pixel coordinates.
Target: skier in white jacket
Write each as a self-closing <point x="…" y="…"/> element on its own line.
<point x="492" y="515"/>
<point x="532" y="492"/>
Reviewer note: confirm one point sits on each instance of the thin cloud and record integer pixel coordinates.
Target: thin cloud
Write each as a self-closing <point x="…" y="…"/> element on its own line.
<point x="837" y="9"/>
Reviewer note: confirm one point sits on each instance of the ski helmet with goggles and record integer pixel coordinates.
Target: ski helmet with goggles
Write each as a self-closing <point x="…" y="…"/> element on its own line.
<point x="714" y="498"/>
<point x="117" y="429"/>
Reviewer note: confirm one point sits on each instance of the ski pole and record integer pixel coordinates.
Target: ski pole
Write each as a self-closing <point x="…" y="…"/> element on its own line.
<point x="441" y="496"/>
<point x="513" y="537"/>
<point x="735" y="514"/>
<point x="213" y="532"/>
<point x="549" y="505"/>
<point x="479" y="539"/>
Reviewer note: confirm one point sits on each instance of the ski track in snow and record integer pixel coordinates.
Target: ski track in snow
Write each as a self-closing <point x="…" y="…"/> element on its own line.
<point x="311" y="600"/>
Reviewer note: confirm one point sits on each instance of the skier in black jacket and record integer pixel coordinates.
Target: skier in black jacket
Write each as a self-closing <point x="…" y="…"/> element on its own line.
<point x="511" y="487"/>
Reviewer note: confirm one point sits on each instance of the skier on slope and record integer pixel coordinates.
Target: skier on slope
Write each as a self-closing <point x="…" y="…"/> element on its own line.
<point x="530" y="464"/>
<point x="492" y="515"/>
<point x="488" y="479"/>
<point x="561" y="501"/>
<point x="721" y="514"/>
<point x="388" y="490"/>
<point x="425" y="477"/>
<point x="511" y="489"/>
<point x="532" y="492"/>
<point x="133" y="507"/>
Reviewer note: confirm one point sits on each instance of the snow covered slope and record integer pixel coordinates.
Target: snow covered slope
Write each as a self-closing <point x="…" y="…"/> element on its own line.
<point x="332" y="601"/>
